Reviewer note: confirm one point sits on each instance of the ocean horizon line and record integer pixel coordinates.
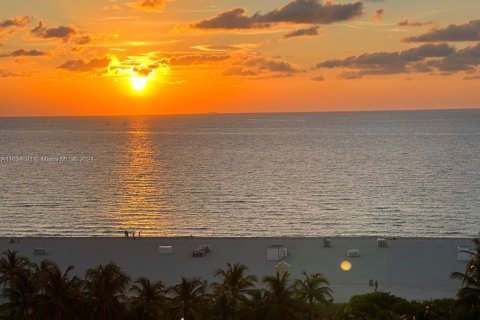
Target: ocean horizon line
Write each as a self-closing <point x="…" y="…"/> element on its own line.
<point x="214" y="113"/>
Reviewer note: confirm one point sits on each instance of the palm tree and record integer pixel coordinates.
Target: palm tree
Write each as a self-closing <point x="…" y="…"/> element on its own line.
<point x="188" y="297"/>
<point x="279" y="303"/>
<point x="468" y="297"/>
<point x="234" y="289"/>
<point x="11" y="264"/>
<point x="61" y="296"/>
<point x="149" y="300"/>
<point x="313" y="290"/>
<point x="21" y="295"/>
<point x="105" y="286"/>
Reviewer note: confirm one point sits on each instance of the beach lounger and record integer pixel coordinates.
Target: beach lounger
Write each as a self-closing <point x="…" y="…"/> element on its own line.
<point x="326" y="243"/>
<point x="165" y="249"/>
<point x="276" y="253"/>
<point x="39" y="251"/>
<point x="353" y="253"/>
<point x="382" y="243"/>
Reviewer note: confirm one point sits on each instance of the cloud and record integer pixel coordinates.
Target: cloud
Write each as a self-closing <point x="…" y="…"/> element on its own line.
<point x="65" y="33"/>
<point x="19" y="21"/>
<point x="230" y="47"/>
<point x="196" y="59"/>
<point x="313" y="11"/>
<point x="82" y="39"/>
<point x="466" y="59"/>
<point x="295" y="12"/>
<point x="10" y="74"/>
<point x="408" y="23"/>
<point x="378" y="15"/>
<point x="462" y="32"/>
<point x="62" y="32"/>
<point x="11" y="25"/>
<point x="382" y="63"/>
<point x="233" y="19"/>
<point x="149" y="5"/>
<point x="306" y="32"/>
<point x="258" y="65"/>
<point x="86" y="66"/>
<point x="474" y="77"/>
<point x="318" y="78"/>
<point x="23" y="53"/>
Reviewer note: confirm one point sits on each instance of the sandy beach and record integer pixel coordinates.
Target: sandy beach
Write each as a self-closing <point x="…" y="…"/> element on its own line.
<point x="413" y="268"/>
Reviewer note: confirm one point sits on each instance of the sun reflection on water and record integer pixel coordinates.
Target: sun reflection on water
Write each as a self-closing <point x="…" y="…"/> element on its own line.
<point x="142" y="196"/>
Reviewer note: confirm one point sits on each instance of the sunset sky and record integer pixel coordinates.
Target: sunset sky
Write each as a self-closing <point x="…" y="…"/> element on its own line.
<point x="115" y="57"/>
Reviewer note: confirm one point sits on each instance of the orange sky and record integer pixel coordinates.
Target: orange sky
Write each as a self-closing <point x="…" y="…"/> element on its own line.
<point x="79" y="58"/>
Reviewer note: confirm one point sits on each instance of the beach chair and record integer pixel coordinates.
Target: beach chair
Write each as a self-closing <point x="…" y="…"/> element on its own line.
<point x="382" y="243"/>
<point x="39" y="251"/>
<point x="326" y="243"/>
<point x="353" y="253"/>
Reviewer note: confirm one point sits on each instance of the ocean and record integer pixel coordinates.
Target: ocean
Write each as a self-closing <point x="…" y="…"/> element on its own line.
<point x="399" y="173"/>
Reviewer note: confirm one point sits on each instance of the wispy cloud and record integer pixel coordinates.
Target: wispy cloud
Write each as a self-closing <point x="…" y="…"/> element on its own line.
<point x="463" y="32"/>
<point x="304" y="32"/>
<point x="149" y="5"/>
<point x="408" y="23"/>
<point x="256" y="66"/>
<point x="23" y="53"/>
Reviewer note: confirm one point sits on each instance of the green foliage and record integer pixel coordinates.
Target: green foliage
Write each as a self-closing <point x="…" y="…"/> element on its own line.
<point x="378" y="306"/>
<point x="232" y="291"/>
<point x="468" y="297"/>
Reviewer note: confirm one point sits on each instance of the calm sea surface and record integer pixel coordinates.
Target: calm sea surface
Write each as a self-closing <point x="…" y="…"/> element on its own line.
<point x="373" y="173"/>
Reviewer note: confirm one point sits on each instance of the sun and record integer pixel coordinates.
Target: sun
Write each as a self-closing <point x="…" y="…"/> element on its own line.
<point x="138" y="83"/>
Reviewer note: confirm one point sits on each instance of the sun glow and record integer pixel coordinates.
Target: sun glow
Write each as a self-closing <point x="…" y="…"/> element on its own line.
<point x="138" y="83"/>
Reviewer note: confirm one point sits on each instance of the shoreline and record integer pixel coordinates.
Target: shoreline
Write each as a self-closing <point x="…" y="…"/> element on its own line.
<point x="412" y="268"/>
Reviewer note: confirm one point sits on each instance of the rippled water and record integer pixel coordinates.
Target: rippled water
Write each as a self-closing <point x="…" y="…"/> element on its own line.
<point x="395" y="173"/>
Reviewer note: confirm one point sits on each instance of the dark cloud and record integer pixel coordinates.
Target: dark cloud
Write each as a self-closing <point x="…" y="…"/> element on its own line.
<point x="85" y="66"/>
<point x="313" y="11"/>
<point x="149" y="5"/>
<point x="20" y="21"/>
<point x="466" y="59"/>
<point x="380" y="63"/>
<point x="233" y="19"/>
<point x="257" y="66"/>
<point x="312" y="31"/>
<point x="23" y="53"/>
<point x="296" y="12"/>
<point x="192" y="59"/>
<point x="66" y="33"/>
<point x="378" y="15"/>
<point x="408" y="23"/>
<point x="462" y="32"/>
<point x="61" y="32"/>
<point x="318" y="78"/>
